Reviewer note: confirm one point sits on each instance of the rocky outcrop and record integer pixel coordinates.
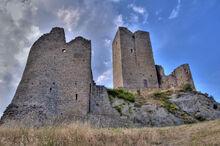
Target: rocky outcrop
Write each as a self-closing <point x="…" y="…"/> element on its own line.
<point x="168" y="108"/>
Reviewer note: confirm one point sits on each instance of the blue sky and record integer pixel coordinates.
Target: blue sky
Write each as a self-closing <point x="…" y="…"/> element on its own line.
<point x="182" y="31"/>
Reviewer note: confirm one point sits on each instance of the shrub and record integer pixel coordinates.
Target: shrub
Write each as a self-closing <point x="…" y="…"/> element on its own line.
<point x="200" y="117"/>
<point x="121" y="93"/>
<point x="111" y="99"/>
<point x="139" y="92"/>
<point x="130" y="109"/>
<point x="171" y="107"/>
<point x="160" y="95"/>
<point x="186" y="87"/>
<point x="119" y="108"/>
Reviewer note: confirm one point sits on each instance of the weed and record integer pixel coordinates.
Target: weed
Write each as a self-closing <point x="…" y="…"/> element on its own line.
<point x="139" y="92"/>
<point x="186" y="87"/>
<point x="121" y="93"/>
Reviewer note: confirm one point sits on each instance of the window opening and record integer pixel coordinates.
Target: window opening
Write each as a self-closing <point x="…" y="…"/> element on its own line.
<point x="133" y="37"/>
<point x="131" y="50"/>
<point x="145" y="83"/>
<point x="63" y="50"/>
<point x="76" y="97"/>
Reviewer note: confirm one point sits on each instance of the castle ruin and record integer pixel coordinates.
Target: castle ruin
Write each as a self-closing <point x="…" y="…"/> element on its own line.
<point x="134" y="67"/>
<point x="57" y="84"/>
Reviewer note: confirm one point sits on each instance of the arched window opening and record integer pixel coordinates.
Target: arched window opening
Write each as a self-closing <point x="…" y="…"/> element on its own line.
<point x="145" y="83"/>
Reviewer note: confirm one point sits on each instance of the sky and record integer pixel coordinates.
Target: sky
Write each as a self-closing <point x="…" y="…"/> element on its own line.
<point x="181" y="31"/>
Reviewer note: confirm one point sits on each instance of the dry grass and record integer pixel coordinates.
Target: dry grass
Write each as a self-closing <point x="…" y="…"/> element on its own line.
<point x="206" y="133"/>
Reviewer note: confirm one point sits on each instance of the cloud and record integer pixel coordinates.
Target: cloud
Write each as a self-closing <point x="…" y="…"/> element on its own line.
<point x="108" y="42"/>
<point x="119" y="21"/>
<point x="69" y="17"/>
<point x="22" y="22"/>
<point x="136" y="9"/>
<point x="17" y="34"/>
<point x="107" y="75"/>
<point x="175" y="11"/>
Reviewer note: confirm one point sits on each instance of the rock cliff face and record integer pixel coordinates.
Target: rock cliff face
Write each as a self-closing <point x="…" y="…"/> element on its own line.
<point x="168" y="108"/>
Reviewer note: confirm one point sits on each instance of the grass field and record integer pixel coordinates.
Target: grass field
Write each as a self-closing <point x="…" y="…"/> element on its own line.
<point x="205" y="133"/>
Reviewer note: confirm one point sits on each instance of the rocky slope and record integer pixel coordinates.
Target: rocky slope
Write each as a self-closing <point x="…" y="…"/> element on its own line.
<point x="155" y="109"/>
<point x="166" y="108"/>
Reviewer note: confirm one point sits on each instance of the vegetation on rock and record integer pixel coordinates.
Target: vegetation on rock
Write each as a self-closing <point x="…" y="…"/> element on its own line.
<point x="186" y="87"/>
<point x="120" y="93"/>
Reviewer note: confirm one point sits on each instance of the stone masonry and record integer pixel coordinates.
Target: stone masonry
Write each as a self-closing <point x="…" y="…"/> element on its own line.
<point x="57" y="82"/>
<point x="133" y="62"/>
<point x="134" y="67"/>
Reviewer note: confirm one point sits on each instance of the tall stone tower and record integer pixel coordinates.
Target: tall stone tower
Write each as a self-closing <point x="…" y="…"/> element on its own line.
<point x="133" y="62"/>
<point x="57" y="81"/>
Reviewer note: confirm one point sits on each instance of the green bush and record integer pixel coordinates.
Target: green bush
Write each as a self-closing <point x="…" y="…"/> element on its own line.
<point x="139" y="92"/>
<point x="160" y="95"/>
<point x="186" y="87"/>
<point x="121" y="93"/>
<point x="171" y="107"/>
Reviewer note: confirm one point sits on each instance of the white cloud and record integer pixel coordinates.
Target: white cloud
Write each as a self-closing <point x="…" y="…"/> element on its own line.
<point x="107" y="75"/>
<point x="107" y="42"/>
<point x="69" y="17"/>
<point x="175" y="11"/>
<point x="119" y="21"/>
<point x="136" y="9"/>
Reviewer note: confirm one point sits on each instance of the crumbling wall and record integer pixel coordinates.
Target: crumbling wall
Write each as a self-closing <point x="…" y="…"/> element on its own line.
<point x="99" y="102"/>
<point x="181" y="75"/>
<point x="56" y="81"/>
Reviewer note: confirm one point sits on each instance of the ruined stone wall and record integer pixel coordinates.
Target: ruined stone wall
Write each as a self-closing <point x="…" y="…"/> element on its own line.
<point x="99" y="102"/>
<point x="56" y="81"/>
<point x="181" y="75"/>
<point x="133" y="60"/>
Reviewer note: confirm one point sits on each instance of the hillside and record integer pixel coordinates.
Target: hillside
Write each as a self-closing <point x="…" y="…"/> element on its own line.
<point x="169" y="107"/>
<point x="204" y="133"/>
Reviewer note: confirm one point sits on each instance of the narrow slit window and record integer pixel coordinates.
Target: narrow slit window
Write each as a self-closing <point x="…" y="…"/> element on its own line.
<point x="131" y="51"/>
<point x="76" y="97"/>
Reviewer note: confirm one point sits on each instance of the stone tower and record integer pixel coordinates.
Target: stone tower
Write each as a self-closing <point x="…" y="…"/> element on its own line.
<point x="133" y="62"/>
<point x="57" y="80"/>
